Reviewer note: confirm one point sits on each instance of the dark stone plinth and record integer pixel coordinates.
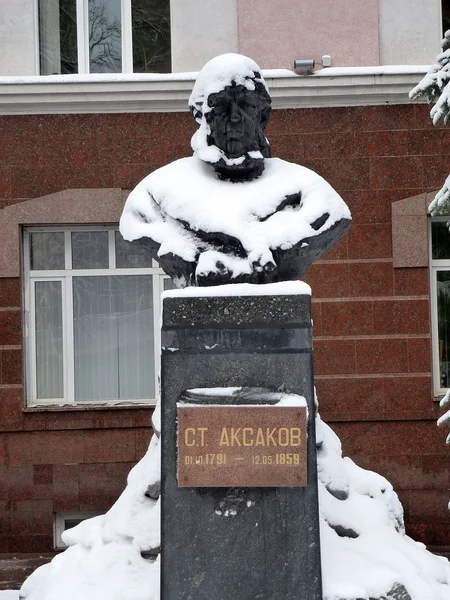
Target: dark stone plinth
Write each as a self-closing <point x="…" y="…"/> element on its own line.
<point x="237" y="543"/>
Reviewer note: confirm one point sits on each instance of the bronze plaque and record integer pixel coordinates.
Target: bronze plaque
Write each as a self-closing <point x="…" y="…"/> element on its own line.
<point x="241" y="446"/>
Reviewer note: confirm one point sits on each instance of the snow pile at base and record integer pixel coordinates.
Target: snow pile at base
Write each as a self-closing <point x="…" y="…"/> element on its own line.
<point x="103" y="561"/>
<point x="171" y="204"/>
<point x="365" y="552"/>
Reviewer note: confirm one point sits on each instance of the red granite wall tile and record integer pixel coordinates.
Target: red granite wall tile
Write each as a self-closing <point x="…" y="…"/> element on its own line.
<point x="5" y="183"/>
<point x="424" y="142"/>
<point x="45" y="447"/>
<point x="429" y="505"/>
<point x="334" y="356"/>
<point x="4" y="483"/>
<point x="436" y="472"/>
<point x="101" y="484"/>
<point x="343" y="173"/>
<point x="328" y="280"/>
<point x="404" y="472"/>
<point x="32" y="517"/>
<point x="11" y="404"/>
<point x="381" y="143"/>
<point x="401" y="316"/>
<point x="407" y="395"/>
<point x="368" y="206"/>
<point x="350" y="397"/>
<point x="316" y="317"/>
<point x="385" y="118"/>
<point x="10" y="327"/>
<point x="431" y="533"/>
<point x="29" y="544"/>
<point x="419" y="355"/>
<point x="5" y="520"/>
<point x="381" y="356"/>
<point x="398" y="171"/>
<point x="11" y="369"/>
<point x="347" y="318"/>
<point x="20" y="482"/>
<point x="338" y="252"/>
<point x="109" y="446"/>
<point x="10" y="292"/>
<point x="390" y="438"/>
<point x="371" y="279"/>
<point x="370" y="241"/>
<point x="411" y="282"/>
<point x="66" y="488"/>
<point x="143" y="437"/>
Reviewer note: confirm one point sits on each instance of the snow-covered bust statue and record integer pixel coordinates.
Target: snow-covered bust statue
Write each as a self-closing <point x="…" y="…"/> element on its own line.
<point x="231" y="213"/>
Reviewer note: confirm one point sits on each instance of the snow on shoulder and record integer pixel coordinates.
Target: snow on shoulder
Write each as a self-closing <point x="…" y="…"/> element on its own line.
<point x="174" y="204"/>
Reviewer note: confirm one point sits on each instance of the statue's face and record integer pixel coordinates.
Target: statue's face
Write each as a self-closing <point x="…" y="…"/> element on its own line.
<point x="237" y="120"/>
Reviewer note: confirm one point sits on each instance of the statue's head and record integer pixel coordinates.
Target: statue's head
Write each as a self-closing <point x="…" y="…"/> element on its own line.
<point x="231" y="103"/>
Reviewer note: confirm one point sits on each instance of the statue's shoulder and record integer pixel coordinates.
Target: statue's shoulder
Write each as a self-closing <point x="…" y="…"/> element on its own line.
<point x="174" y="175"/>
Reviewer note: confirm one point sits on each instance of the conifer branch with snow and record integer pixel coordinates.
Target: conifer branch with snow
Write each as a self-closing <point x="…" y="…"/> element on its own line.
<point x="436" y="87"/>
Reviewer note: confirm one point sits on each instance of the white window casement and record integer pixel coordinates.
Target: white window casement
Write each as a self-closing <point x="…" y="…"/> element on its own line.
<point x="104" y="36"/>
<point x="92" y="308"/>
<point x="440" y="302"/>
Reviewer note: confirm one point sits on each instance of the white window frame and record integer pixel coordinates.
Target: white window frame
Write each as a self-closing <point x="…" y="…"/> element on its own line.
<point x="66" y="276"/>
<point x="59" y="524"/>
<point x="82" y="12"/>
<point x="435" y="266"/>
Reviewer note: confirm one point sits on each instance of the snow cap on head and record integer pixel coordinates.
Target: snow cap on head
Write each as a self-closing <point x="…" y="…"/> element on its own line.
<point x="217" y="74"/>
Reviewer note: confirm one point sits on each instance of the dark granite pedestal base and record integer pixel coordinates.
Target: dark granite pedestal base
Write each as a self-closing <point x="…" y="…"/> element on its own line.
<point x="237" y="543"/>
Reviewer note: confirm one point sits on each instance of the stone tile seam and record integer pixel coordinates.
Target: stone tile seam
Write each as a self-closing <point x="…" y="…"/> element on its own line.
<point x="350" y="261"/>
<point x="15" y="386"/>
<point x="10" y="347"/>
<point x="372" y="376"/>
<point x="344" y="299"/>
<point x="9" y="308"/>
<point x="387" y="336"/>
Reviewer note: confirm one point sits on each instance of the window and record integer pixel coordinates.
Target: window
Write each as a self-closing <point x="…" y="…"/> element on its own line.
<point x="104" y="36"/>
<point x="92" y="305"/>
<point x="445" y="16"/>
<point x="67" y="520"/>
<point x="440" y="298"/>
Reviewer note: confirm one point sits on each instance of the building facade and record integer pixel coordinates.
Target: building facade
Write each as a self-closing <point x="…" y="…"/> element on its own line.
<point x="79" y="308"/>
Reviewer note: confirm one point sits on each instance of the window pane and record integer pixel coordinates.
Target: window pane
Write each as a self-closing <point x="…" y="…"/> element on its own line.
<point x="47" y="251"/>
<point x="440" y="240"/>
<point x="49" y="339"/>
<point x="132" y="254"/>
<point x="113" y="338"/>
<point x="105" y="36"/>
<point x="443" y="302"/>
<point x="58" y="37"/>
<point x="151" y="36"/>
<point x="90" y="250"/>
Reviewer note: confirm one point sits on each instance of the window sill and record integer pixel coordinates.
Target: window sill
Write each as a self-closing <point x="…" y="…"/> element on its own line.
<point x="39" y="408"/>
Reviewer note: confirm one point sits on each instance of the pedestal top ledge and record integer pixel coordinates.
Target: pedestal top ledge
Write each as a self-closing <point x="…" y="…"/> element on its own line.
<point x="284" y="303"/>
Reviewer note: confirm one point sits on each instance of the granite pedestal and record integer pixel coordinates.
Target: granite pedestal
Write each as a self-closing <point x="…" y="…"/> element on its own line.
<point x="256" y="543"/>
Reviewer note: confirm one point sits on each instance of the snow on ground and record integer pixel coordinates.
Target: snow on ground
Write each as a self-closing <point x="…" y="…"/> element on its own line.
<point x="365" y="551"/>
<point x="9" y="595"/>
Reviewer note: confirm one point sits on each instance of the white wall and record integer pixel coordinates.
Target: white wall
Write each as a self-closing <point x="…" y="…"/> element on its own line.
<point x="18" y="44"/>
<point x="202" y="29"/>
<point x="410" y="31"/>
